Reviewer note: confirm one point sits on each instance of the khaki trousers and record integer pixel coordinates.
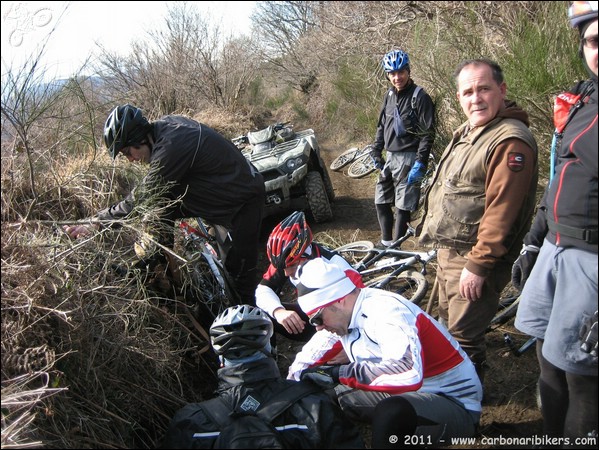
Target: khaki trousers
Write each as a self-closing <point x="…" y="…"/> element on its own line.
<point x="467" y="321"/>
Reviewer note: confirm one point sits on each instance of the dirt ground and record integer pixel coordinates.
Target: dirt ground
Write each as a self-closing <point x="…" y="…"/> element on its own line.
<point x="510" y="411"/>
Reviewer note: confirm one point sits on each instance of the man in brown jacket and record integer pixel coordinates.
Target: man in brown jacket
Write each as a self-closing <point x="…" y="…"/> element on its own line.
<point x="480" y="204"/>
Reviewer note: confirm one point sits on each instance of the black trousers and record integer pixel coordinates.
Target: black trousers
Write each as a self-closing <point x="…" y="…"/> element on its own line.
<point x="568" y="402"/>
<point x="242" y="259"/>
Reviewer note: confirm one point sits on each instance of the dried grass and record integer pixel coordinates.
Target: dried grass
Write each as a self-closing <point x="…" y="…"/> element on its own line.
<point x="90" y="359"/>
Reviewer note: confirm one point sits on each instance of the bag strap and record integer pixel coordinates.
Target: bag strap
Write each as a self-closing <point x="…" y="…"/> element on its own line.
<point x="587" y="235"/>
<point x="414" y="96"/>
<point x="220" y="412"/>
<point x="286" y="398"/>
<point x="584" y="89"/>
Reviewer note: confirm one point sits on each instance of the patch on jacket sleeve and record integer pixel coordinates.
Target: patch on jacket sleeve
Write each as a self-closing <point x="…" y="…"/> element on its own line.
<point x="515" y="161"/>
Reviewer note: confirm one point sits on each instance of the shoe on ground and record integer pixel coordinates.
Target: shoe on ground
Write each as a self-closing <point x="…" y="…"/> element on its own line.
<point x="383" y="244"/>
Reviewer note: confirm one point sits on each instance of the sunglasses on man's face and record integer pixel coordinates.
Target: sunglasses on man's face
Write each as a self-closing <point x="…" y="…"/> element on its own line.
<point x="316" y="319"/>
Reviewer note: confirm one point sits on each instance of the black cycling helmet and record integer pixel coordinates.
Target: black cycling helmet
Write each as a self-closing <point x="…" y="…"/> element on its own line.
<point x="240" y="331"/>
<point x="289" y="241"/>
<point x="125" y="126"/>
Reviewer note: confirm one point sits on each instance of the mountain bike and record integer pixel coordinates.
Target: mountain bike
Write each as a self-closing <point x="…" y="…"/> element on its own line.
<point x="363" y="165"/>
<point x="392" y="269"/>
<point x="404" y="272"/>
<point x="204" y="280"/>
<point x="506" y="310"/>
<point x="348" y="156"/>
<point x="192" y="272"/>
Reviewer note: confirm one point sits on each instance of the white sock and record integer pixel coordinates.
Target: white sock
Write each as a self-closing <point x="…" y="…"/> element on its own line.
<point x="386" y="243"/>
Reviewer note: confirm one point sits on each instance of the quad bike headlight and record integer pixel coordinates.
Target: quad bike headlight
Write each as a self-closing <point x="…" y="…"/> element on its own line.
<point x="293" y="163"/>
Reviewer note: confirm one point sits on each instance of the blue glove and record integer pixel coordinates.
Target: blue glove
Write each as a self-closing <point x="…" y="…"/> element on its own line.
<point x="417" y="173"/>
<point x="326" y="377"/>
<point x="379" y="162"/>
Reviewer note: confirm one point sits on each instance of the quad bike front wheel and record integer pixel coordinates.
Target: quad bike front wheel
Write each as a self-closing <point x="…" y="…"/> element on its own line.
<point x="317" y="198"/>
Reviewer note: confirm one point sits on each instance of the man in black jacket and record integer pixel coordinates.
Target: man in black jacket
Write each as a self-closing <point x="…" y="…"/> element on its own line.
<point x="202" y="174"/>
<point x="248" y="378"/>
<point x="557" y="267"/>
<point x="406" y="131"/>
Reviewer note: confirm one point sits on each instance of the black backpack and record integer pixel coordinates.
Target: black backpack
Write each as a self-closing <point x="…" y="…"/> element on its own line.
<point x="254" y="429"/>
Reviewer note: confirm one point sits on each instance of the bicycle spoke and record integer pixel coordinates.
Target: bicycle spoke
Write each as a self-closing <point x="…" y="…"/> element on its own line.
<point x="355" y="252"/>
<point x="361" y="167"/>
<point x="345" y="158"/>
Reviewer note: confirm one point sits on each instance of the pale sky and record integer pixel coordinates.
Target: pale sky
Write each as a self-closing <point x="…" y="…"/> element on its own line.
<point x="79" y="25"/>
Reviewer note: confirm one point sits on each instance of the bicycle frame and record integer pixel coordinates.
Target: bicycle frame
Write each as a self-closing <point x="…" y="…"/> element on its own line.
<point x="391" y="268"/>
<point x="518" y="351"/>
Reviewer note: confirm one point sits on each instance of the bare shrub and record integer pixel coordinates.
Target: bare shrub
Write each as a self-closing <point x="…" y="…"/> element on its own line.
<point x="114" y="341"/>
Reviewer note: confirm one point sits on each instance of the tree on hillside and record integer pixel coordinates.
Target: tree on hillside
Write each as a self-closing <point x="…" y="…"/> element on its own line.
<point x="183" y="67"/>
<point x="281" y="27"/>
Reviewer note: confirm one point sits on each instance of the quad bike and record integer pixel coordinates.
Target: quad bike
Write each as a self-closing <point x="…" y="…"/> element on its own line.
<point x="295" y="175"/>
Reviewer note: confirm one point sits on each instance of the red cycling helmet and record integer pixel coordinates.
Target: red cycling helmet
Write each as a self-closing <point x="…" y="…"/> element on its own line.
<point x="289" y="241"/>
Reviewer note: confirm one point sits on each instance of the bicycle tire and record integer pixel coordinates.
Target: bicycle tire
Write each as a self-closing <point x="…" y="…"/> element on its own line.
<point x="361" y="167"/>
<point x="209" y="288"/>
<point x="355" y="252"/>
<point x="410" y="284"/>
<point x="344" y="159"/>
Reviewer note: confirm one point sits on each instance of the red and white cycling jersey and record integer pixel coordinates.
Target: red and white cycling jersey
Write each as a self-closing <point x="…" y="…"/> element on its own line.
<point x="395" y="347"/>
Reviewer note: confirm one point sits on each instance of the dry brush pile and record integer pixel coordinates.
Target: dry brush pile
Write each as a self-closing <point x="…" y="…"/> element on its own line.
<point x="90" y="358"/>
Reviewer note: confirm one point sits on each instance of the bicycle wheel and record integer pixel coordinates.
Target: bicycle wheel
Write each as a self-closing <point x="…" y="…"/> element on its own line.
<point x="345" y="158"/>
<point x="355" y="252"/>
<point x="208" y="287"/>
<point x="410" y="284"/>
<point x="361" y="167"/>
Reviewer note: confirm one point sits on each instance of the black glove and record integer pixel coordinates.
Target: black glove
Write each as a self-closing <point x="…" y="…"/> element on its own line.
<point x="523" y="265"/>
<point x="588" y="335"/>
<point x="326" y="377"/>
